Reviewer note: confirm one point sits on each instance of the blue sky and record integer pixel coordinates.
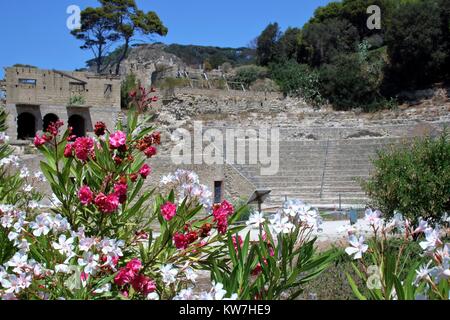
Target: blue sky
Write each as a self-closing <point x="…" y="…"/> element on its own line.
<point x="35" y="32"/>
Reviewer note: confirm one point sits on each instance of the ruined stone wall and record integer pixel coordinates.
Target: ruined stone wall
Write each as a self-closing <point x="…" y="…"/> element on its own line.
<point x="56" y="88"/>
<point x="42" y="92"/>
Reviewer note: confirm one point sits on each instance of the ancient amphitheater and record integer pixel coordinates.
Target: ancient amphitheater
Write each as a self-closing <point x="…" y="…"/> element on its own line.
<point x="323" y="154"/>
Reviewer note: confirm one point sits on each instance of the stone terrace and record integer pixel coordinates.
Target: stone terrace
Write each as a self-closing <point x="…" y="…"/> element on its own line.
<point x="322" y="173"/>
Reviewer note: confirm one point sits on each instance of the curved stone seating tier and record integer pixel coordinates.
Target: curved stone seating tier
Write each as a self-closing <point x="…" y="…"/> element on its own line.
<point x="325" y="173"/>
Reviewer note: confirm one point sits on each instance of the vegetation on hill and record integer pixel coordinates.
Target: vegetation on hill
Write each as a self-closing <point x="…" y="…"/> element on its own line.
<point x="113" y="22"/>
<point x="214" y="56"/>
<point x="359" y="67"/>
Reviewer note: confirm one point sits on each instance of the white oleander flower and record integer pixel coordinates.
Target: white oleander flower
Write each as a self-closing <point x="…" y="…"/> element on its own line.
<point x="4" y="138"/>
<point x="423" y="225"/>
<point x="24" y="172"/>
<point x="422" y="273"/>
<point x="19" y="262"/>
<point x="169" y="273"/>
<point x="431" y="239"/>
<point x="15" y="284"/>
<point x="373" y="217"/>
<point x="64" y="245"/>
<point x="185" y="294"/>
<point x="357" y="247"/>
<point x="256" y="218"/>
<point x="90" y="262"/>
<point x="191" y="275"/>
<point x="281" y="224"/>
<point x="41" y="225"/>
<point x="40" y="176"/>
<point x="153" y="296"/>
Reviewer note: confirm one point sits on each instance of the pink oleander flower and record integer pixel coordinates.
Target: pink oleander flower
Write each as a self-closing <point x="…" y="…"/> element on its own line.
<point x="180" y="241"/>
<point x="227" y="207"/>
<point x="100" y="128"/>
<point x="39" y="141"/>
<point x="84" y="276"/>
<point x="222" y="224"/>
<point x="117" y="140"/>
<point x="237" y="240"/>
<point x="83" y="147"/>
<point x="143" y="284"/>
<point x="221" y="213"/>
<point x="85" y="195"/>
<point x="150" y="152"/>
<point x="168" y="210"/>
<point x="120" y="189"/>
<point x="145" y="171"/>
<point x="134" y="265"/>
<point x="124" y="276"/>
<point x="192" y="237"/>
<point x="107" y="204"/>
<point x="68" y="150"/>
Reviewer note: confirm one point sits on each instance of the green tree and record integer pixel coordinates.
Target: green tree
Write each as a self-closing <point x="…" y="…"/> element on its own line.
<point x="114" y="21"/>
<point x="97" y="33"/>
<point x="290" y="43"/>
<point x="267" y="44"/>
<point x="249" y="74"/>
<point x="130" y="21"/>
<point x="297" y="79"/>
<point x="325" y="40"/>
<point x="352" y="81"/>
<point x="417" y="45"/>
<point x="330" y="11"/>
<point x="413" y="179"/>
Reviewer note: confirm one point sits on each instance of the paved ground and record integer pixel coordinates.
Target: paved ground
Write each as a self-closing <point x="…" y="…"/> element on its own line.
<point x="331" y="231"/>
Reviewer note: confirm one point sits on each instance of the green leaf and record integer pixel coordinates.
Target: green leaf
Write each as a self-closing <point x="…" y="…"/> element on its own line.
<point x="354" y="287"/>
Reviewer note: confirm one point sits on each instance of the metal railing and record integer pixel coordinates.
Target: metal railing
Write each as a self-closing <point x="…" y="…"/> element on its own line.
<point x="324" y="168"/>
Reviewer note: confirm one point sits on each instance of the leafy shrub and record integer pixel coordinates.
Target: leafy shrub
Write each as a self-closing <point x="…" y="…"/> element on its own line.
<point x="400" y="262"/>
<point x="297" y="79"/>
<point x="354" y="81"/>
<point x="413" y="179"/>
<point x="129" y="84"/>
<point x="280" y="262"/>
<point x="97" y="240"/>
<point x="249" y="74"/>
<point x="264" y="85"/>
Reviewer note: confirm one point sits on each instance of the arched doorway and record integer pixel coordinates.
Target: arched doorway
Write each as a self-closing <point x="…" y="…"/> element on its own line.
<point x="49" y="118"/>
<point x="78" y="125"/>
<point x="26" y="126"/>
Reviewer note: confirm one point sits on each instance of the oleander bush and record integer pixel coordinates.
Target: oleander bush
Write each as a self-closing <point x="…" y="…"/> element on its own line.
<point x="413" y="266"/>
<point x="98" y="240"/>
<point x="413" y="179"/>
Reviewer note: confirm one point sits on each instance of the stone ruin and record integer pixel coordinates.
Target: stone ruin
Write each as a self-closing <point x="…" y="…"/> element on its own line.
<point x="323" y="154"/>
<point x="36" y="97"/>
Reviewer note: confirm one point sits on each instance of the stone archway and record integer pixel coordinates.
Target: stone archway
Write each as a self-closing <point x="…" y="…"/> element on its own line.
<point x="49" y="118"/>
<point x="26" y="126"/>
<point x="78" y="125"/>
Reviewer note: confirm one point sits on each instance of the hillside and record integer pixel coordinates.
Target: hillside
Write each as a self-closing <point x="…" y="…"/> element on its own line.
<point x="188" y="55"/>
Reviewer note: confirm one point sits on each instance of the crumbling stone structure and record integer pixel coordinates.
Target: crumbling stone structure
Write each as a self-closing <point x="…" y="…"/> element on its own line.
<point x="36" y="97"/>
